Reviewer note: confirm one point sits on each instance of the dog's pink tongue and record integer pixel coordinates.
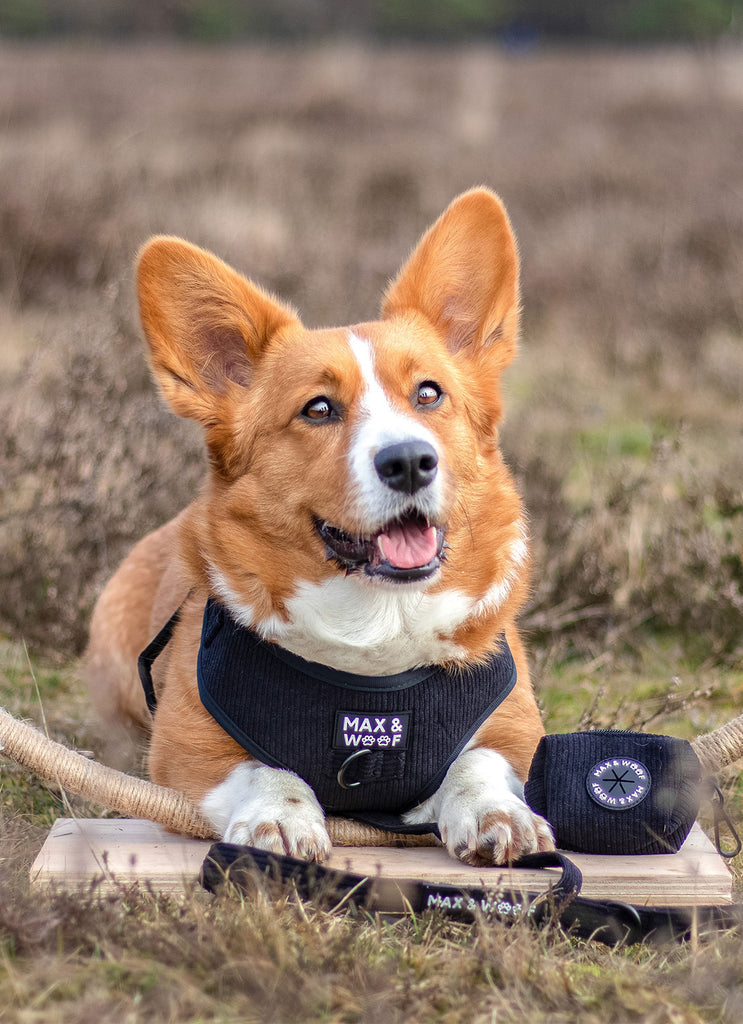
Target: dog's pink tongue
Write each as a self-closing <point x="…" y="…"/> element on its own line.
<point x="408" y="545"/>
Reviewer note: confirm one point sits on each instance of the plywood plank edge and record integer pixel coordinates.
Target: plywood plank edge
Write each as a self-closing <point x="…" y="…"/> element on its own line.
<point x="113" y="852"/>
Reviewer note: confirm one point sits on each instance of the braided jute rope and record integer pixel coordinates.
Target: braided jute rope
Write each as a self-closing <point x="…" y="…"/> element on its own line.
<point x="721" y="747"/>
<point x="138" y="798"/>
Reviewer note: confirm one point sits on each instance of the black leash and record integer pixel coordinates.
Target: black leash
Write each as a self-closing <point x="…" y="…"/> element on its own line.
<point x="237" y="865"/>
<point x="611" y="922"/>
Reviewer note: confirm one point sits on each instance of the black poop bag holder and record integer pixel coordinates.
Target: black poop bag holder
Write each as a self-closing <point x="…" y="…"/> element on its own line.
<point x="603" y="792"/>
<point x="612" y="792"/>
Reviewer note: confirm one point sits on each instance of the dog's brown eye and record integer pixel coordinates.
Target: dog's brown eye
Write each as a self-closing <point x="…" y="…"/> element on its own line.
<point x="318" y="409"/>
<point x="428" y="393"/>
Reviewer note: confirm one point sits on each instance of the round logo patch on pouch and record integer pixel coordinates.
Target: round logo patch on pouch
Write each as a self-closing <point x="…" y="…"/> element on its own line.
<point x="618" y="783"/>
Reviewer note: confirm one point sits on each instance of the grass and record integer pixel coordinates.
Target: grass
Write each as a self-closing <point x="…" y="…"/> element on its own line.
<point x="314" y="170"/>
<point x="278" y="961"/>
<point x="135" y="956"/>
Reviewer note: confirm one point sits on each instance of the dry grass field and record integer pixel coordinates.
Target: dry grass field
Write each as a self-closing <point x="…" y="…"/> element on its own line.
<point x="314" y="171"/>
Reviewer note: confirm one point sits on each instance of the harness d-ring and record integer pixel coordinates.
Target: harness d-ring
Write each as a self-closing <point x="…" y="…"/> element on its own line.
<point x="342" y="769"/>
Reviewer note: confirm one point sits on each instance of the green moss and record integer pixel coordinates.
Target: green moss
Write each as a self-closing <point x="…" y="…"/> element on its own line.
<point x="619" y="439"/>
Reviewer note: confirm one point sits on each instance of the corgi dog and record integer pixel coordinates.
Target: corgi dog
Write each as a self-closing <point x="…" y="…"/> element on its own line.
<point x="347" y="581"/>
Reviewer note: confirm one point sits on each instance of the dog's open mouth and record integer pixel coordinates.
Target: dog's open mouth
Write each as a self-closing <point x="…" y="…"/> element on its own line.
<point x="408" y="548"/>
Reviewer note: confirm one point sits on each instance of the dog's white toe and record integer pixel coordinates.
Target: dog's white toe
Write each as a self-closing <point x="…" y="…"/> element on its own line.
<point x="487" y="832"/>
<point x="308" y="841"/>
<point x="481" y="814"/>
<point x="271" y="809"/>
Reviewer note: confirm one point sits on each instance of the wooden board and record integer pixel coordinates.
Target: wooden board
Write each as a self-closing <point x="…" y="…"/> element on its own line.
<point x="122" y="850"/>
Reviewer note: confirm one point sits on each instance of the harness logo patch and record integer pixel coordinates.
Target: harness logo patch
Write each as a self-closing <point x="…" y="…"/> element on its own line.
<point x="618" y="783"/>
<point x="357" y="730"/>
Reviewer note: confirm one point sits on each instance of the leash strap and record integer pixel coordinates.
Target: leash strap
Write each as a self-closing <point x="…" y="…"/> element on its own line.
<point x="610" y="922"/>
<point x="394" y="823"/>
<point x="613" y="922"/>
<point x="465" y="901"/>
<point x="234" y="863"/>
<point x="237" y="865"/>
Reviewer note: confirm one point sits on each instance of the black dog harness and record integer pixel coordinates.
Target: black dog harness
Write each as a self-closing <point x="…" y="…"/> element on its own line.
<point x="363" y="743"/>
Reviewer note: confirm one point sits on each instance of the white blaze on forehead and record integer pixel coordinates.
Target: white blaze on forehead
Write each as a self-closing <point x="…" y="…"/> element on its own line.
<point x="374" y="400"/>
<point x="391" y="424"/>
<point x="381" y="424"/>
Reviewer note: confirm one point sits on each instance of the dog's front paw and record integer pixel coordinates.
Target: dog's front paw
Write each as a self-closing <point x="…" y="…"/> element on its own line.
<point x="481" y="815"/>
<point x="280" y="833"/>
<point x="485" y="831"/>
<point x="271" y="809"/>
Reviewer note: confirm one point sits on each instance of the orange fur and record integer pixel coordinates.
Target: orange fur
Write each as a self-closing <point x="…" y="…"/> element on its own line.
<point x="229" y="355"/>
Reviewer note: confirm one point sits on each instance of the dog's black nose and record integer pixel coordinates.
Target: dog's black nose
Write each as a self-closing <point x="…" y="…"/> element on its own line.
<point x="407" y="466"/>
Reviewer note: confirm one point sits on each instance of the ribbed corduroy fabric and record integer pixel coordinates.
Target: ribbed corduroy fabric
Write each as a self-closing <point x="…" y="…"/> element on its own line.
<point x="289" y="713"/>
<point x="615" y="792"/>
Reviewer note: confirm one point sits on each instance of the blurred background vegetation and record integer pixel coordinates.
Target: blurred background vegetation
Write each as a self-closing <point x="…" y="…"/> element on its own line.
<point x="314" y="169"/>
<point x="311" y="152"/>
<point x="518" y="22"/>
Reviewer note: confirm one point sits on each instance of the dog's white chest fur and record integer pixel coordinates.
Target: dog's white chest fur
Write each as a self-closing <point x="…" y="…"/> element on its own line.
<point x="371" y="630"/>
<point x="353" y="626"/>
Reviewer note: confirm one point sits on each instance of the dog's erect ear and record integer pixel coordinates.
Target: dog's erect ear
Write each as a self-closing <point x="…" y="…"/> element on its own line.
<point x="205" y="325"/>
<point x="463" y="277"/>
